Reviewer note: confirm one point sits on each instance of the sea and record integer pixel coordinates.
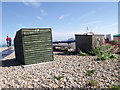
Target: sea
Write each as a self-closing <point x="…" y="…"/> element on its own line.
<point x="5" y="45"/>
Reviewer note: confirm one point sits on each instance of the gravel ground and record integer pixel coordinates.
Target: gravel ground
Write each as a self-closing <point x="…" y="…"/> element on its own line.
<point x="71" y="68"/>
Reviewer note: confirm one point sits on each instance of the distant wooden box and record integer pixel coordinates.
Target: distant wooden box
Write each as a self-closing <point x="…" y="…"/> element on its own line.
<point x="33" y="45"/>
<point x="87" y="42"/>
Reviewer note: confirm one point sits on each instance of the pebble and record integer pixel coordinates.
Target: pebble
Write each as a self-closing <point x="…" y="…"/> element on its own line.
<point x="72" y="67"/>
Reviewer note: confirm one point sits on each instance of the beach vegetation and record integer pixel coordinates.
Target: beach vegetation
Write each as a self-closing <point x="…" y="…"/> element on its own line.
<point x="114" y="42"/>
<point x="92" y="83"/>
<point x="90" y="72"/>
<point x="82" y="53"/>
<point x="115" y="87"/>
<point x="105" y="51"/>
<point x="58" y="77"/>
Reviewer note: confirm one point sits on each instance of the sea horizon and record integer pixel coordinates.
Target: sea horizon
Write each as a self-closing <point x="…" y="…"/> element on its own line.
<point x="4" y="45"/>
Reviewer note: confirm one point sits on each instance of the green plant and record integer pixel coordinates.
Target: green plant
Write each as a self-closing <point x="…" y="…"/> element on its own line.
<point x="90" y="72"/>
<point x="92" y="83"/>
<point x="82" y="53"/>
<point x="58" y="77"/>
<point x="115" y="87"/>
<point x="105" y="51"/>
<point x="114" y="42"/>
<point x="113" y="55"/>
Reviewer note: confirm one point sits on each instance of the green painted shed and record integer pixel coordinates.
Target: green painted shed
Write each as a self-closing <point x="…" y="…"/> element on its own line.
<point x="33" y="45"/>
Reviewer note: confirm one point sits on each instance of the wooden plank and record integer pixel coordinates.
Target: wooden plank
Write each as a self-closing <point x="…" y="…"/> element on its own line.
<point x="36" y="45"/>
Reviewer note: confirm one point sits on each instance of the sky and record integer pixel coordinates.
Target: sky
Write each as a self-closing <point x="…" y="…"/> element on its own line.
<point x="65" y="18"/>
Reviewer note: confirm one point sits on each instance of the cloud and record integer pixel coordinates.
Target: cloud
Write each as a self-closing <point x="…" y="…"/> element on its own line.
<point x="39" y="17"/>
<point x="103" y="7"/>
<point x="27" y="4"/>
<point x="63" y="16"/>
<point x="20" y="25"/>
<point x="106" y="29"/>
<point x="69" y="23"/>
<point x="107" y="26"/>
<point x="87" y="14"/>
<point x="111" y="25"/>
<point x="92" y="22"/>
<point x="64" y="35"/>
<point x="43" y="13"/>
<point x="92" y="12"/>
<point x="33" y="3"/>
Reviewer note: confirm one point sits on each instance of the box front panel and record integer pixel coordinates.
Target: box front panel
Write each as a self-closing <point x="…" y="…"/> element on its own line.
<point x="37" y="46"/>
<point x="83" y="42"/>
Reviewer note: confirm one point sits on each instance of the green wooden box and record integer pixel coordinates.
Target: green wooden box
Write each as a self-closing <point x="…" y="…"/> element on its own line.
<point x="33" y="45"/>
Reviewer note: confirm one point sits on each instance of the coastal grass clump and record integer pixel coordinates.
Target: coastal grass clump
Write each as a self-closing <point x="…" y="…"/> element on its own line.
<point x="90" y="72"/>
<point x="58" y="77"/>
<point x="115" y="87"/>
<point x="92" y="83"/>
<point x="82" y="53"/>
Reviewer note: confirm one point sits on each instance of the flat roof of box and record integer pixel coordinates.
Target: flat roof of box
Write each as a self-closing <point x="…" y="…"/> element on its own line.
<point x="34" y="28"/>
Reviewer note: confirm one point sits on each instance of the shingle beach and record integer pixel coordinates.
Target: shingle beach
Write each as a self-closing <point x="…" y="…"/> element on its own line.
<point x="72" y="68"/>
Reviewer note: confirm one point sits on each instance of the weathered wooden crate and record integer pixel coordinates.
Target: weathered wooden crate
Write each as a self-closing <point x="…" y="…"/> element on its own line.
<point x="87" y="42"/>
<point x="33" y="45"/>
